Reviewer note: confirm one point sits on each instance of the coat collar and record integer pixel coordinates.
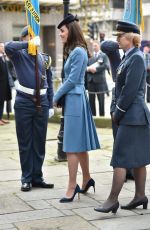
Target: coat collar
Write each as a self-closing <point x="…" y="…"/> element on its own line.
<point x="128" y="55"/>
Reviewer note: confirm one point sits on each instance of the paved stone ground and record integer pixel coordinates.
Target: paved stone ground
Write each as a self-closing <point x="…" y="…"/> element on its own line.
<point x="40" y="209"/>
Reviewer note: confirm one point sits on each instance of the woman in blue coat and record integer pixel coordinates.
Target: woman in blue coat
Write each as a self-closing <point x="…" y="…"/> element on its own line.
<point x="79" y="130"/>
<point x="131" y="148"/>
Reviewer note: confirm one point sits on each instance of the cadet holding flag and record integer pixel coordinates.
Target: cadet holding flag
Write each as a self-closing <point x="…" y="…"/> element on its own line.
<point x="33" y="103"/>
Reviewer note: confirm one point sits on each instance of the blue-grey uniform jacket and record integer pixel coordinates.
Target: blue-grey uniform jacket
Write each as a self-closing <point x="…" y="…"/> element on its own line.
<point x="129" y="105"/>
<point x="24" y="64"/>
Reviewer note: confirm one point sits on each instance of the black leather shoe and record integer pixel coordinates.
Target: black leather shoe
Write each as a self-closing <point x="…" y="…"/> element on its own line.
<point x="112" y="209"/>
<point x="42" y="184"/>
<point x="134" y="204"/>
<point x="25" y="187"/>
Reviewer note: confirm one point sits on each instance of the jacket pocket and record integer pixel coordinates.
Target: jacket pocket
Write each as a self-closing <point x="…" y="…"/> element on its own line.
<point x="76" y="90"/>
<point x="135" y="115"/>
<point x="73" y="105"/>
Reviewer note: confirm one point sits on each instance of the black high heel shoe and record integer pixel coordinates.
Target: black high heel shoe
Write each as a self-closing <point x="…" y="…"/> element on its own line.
<point x="134" y="204"/>
<point x="90" y="183"/>
<point x="66" y="200"/>
<point x="112" y="209"/>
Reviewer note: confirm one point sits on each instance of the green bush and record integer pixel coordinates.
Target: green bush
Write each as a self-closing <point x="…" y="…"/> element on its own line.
<point x="100" y="122"/>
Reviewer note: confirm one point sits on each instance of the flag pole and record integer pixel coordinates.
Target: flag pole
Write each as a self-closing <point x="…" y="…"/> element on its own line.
<point x="61" y="155"/>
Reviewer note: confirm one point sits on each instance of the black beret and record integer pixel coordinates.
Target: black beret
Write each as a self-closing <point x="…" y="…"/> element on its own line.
<point x="24" y="31"/>
<point x="126" y="27"/>
<point x="69" y="18"/>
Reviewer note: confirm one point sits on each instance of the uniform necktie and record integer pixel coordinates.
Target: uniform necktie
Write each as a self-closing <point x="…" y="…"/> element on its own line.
<point x="123" y="57"/>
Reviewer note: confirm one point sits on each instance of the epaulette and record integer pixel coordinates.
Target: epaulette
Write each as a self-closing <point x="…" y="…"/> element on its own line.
<point x="47" y="60"/>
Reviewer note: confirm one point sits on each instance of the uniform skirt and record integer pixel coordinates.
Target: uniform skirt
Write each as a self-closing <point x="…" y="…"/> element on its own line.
<point x="79" y="128"/>
<point x="131" y="147"/>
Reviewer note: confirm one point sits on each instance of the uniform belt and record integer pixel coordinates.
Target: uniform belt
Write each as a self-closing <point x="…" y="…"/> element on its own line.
<point x="29" y="90"/>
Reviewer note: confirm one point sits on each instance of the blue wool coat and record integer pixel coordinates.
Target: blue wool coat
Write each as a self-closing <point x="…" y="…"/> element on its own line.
<point x="79" y="128"/>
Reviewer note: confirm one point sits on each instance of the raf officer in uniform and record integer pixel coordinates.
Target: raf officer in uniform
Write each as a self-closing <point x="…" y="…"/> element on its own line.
<point x="96" y="79"/>
<point x="111" y="48"/>
<point x="31" y="124"/>
<point x="131" y="148"/>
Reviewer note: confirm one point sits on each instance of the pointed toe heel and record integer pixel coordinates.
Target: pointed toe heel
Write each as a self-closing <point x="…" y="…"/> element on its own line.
<point x="78" y="195"/>
<point x="90" y="183"/>
<point x="66" y="199"/>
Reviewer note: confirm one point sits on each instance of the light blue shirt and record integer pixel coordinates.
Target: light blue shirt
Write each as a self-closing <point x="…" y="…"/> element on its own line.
<point x="128" y="51"/>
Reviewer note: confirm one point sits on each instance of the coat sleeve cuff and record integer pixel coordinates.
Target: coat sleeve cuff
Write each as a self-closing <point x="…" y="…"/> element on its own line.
<point x="119" y="113"/>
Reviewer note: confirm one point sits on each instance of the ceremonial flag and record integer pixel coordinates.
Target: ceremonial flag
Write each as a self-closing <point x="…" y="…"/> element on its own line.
<point x="33" y="20"/>
<point x="133" y="12"/>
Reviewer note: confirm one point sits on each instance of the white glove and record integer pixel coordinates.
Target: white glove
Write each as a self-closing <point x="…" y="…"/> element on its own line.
<point x="36" y="41"/>
<point x="51" y="113"/>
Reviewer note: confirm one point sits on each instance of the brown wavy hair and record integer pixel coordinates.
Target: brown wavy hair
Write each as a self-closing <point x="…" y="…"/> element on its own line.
<point x="75" y="38"/>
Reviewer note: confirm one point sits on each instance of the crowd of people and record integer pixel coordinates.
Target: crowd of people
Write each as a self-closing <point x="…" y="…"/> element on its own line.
<point x="7" y="78"/>
<point x="129" y="112"/>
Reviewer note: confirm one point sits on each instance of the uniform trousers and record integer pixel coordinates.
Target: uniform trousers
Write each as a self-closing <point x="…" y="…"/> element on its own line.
<point x="96" y="87"/>
<point x="31" y="128"/>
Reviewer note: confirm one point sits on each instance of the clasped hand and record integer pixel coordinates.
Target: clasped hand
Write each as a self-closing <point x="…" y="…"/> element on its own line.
<point x="91" y="69"/>
<point x="114" y="120"/>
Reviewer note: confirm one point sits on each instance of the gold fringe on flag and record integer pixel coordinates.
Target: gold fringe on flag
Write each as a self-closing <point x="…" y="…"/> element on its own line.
<point x="31" y="47"/>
